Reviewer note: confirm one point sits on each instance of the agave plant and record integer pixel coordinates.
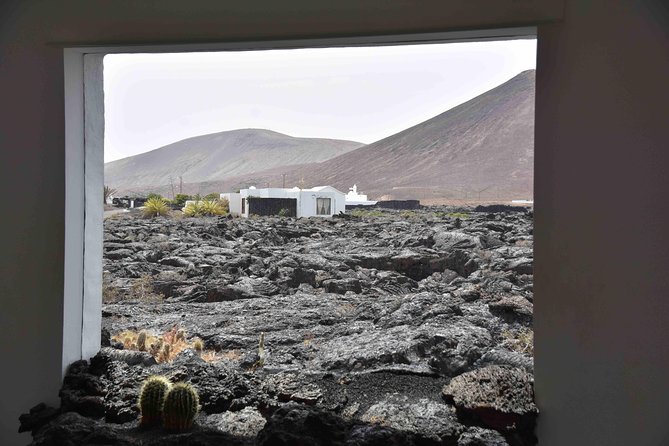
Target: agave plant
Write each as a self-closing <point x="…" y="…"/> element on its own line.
<point x="193" y="210"/>
<point x="212" y="207"/>
<point x="205" y="208"/>
<point x="155" y="207"/>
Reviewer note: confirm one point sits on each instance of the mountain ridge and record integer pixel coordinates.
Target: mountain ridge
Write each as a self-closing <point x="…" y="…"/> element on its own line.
<point x="219" y="155"/>
<point x="480" y="149"/>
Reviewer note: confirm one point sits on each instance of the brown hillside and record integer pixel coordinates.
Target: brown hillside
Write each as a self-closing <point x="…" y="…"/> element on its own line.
<point x="484" y="147"/>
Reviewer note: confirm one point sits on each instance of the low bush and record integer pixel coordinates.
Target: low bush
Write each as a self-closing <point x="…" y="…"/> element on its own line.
<point x="180" y="199"/>
<point x="359" y="212"/>
<point x="155" y="207"/>
<point x="207" y="208"/>
<point x="460" y="215"/>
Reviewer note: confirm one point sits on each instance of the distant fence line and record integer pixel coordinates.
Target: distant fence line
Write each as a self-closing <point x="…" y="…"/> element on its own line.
<point x="389" y="204"/>
<point x="272" y="206"/>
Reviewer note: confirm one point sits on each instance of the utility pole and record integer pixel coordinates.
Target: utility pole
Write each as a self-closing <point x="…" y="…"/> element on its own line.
<point x="172" y="186"/>
<point x="482" y="190"/>
<point x="283" y="185"/>
<point x="181" y="184"/>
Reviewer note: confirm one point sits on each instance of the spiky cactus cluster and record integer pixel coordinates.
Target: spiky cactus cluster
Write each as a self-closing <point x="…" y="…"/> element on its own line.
<point x="180" y="408"/>
<point x="151" y="398"/>
<point x="175" y="405"/>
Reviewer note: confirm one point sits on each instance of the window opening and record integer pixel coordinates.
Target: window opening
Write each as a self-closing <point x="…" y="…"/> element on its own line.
<point x="323" y="206"/>
<point x="425" y="276"/>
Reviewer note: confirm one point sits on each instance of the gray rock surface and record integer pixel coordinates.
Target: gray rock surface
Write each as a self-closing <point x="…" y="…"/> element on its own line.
<point x="365" y="321"/>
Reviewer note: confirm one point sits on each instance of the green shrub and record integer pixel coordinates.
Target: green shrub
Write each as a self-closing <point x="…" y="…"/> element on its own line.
<point x="284" y="212"/>
<point x="180" y="408"/>
<point x="155" y="207"/>
<point x="359" y="212"/>
<point x="211" y="197"/>
<point x="460" y="215"/>
<point x="181" y="199"/>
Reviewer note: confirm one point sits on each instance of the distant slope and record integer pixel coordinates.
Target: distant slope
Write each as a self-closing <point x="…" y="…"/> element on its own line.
<point x="482" y="148"/>
<point x="219" y="156"/>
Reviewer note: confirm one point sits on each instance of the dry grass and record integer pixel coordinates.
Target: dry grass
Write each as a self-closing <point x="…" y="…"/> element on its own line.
<point x="345" y="309"/>
<point x="308" y="339"/>
<point x="377" y="419"/>
<point x="228" y="355"/>
<point x="166" y="347"/>
<point x="110" y="294"/>
<point x="521" y="341"/>
<point x="142" y="289"/>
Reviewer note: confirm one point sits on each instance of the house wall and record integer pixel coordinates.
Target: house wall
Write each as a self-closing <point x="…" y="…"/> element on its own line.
<point x="601" y="247"/>
<point x="234" y="202"/>
<point x="339" y="203"/>
<point x="307" y="203"/>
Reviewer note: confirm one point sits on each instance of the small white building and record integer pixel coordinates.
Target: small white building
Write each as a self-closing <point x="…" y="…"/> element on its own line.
<point x="234" y="201"/>
<point x="353" y="198"/>
<point x="323" y="201"/>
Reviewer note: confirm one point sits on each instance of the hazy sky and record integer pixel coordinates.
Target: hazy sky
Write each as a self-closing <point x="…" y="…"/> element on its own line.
<point x="361" y="93"/>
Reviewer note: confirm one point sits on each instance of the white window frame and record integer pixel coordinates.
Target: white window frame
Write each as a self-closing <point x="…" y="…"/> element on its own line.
<point x="84" y="162"/>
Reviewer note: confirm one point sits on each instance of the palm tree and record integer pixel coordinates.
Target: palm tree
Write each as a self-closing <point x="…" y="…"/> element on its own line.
<point x="109" y="192"/>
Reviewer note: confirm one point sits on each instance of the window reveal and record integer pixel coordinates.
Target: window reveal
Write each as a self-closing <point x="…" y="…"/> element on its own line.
<point x="323" y="206"/>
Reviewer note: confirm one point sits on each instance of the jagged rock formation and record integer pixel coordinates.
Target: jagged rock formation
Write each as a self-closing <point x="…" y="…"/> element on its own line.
<point x="372" y="324"/>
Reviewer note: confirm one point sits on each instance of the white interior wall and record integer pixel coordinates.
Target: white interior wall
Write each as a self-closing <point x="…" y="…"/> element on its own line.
<point x="601" y="247"/>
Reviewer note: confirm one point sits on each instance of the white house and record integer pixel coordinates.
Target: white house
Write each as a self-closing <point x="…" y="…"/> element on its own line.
<point x="323" y="201"/>
<point x="234" y="201"/>
<point x="353" y="198"/>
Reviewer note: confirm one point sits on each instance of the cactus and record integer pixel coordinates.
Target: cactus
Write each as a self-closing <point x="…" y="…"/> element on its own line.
<point x="151" y="398"/>
<point x="156" y="346"/>
<point x="141" y="341"/>
<point x="198" y="345"/>
<point x="165" y="353"/>
<point x="180" y="408"/>
<point x="181" y="335"/>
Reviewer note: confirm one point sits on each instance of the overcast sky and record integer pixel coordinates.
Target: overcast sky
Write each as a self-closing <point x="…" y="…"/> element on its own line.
<point x="360" y="94"/>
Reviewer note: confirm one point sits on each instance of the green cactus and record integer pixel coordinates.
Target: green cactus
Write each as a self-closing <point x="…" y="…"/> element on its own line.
<point x="151" y="398"/>
<point x="141" y="341"/>
<point x="180" y="408"/>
